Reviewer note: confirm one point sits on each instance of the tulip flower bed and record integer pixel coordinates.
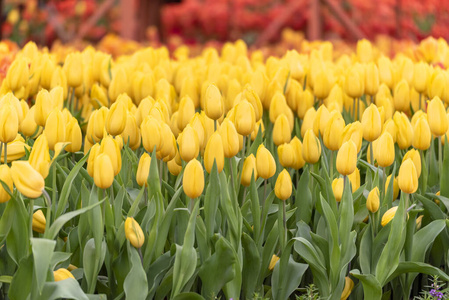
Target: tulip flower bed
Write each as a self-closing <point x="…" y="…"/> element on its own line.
<point x="225" y="175"/>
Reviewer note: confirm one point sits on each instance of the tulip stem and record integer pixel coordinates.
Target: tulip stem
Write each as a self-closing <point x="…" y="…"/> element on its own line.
<point x="353" y="109"/>
<point x="407" y="196"/>
<point x="358" y="108"/>
<point x="31" y="217"/>
<point x="6" y="153"/>
<point x="331" y="166"/>
<point x="215" y="125"/>
<point x="232" y="173"/>
<point x="248" y="142"/>
<point x="283" y="229"/>
<point x="440" y="155"/>
<point x="191" y="205"/>
<point x="244" y="146"/>
<point x="141" y="256"/>
<point x="371" y="153"/>
<point x="1" y="149"/>
<point x="244" y="196"/>
<point x="48" y="214"/>
<point x="384" y="189"/>
<point x="419" y="104"/>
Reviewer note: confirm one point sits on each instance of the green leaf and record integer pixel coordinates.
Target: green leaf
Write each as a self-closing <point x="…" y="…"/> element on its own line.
<point x="303" y="198"/>
<point x="17" y="239"/>
<point x="334" y="247"/>
<point x="6" y="220"/>
<point x="188" y="296"/>
<point x="372" y="290"/>
<point x="365" y="253"/>
<point x="64" y="197"/>
<point x="211" y="201"/>
<point x="42" y="254"/>
<point x="412" y="266"/>
<point x="135" y="285"/>
<point x="92" y="263"/>
<point x="251" y="265"/>
<point x="22" y="280"/>
<point x="68" y="288"/>
<point x="218" y="269"/>
<point x="186" y="257"/>
<point x="255" y="209"/>
<point x="256" y="143"/>
<point x="444" y="176"/>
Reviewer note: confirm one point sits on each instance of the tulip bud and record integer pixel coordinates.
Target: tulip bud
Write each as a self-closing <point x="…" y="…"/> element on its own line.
<point x="186" y="112"/>
<point x="371" y="79"/>
<point x="103" y="171"/>
<point x="309" y="120"/>
<point x="420" y="76"/>
<point x="74" y="136"/>
<point x="395" y="186"/>
<point x="73" y="67"/>
<point x="197" y="124"/>
<point x="193" y="179"/>
<point x="9" y="123"/>
<point x="253" y="98"/>
<point x="131" y="134"/>
<point x="404" y="129"/>
<point x="40" y="156"/>
<point x="337" y="188"/>
<point x="28" y="126"/>
<point x="407" y="178"/>
<point x="333" y="131"/>
<point x="18" y="74"/>
<point x="230" y="138"/>
<point x="5" y="176"/>
<point x="266" y="166"/>
<point x="322" y="84"/>
<point x="283" y="186"/>
<point x="354" y="132"/>
<point x="390" y="127"/>
<point x="416" y="158"/>
<point x="143" y="169"/>
<point x="320" y="121"/>
<point x="94" y="152"/>
<point x="386" y="71"/>
<point x="349" y="285"/>
<point x="305" y="102"/>
<point x="436" y="116"/>
<point x="355" y="81"/>
<point x="371" y="123"/>
<point x="55" y="128"/>
<point x="214" y="152"/>
<point x="273" y="261"/>
<point x="422" y="134"/>
<point x="151" y="134"/>
<point x="28" y="181"/>
<point x="311" y="150"/>
<point x="249" y="168"/>
<point x="347" y="158"/>
<point x="373" y="202"/>
<point x="39" y="222"/>
<point x="281" y="130"/>
<point x="213" y="103"/>
<point x="259" y="126"/>
<point x="388" y="216"/>
<point x="354" y="178"/>
<point x="62" y="274"/>
<point x="188" y="144"/>
<point x="419" y="222"/>
<point x="174" y="168"/>
<point x="298" y="160"/>
<point x="286" y="155"/>
<point x="384" y="150"/>
<point x="134" y="233"/>
<point x="245" y="118"/>
<point x="119" y="85"/>
<point x="116" y="118"/>
<point x="111" y="147"/>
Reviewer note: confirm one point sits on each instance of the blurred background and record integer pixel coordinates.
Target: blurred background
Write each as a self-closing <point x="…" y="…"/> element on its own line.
<point x="124" y="25"/>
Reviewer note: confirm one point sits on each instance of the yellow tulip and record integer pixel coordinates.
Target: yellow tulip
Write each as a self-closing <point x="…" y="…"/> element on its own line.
<point x="134" y="233"/>
<point x="116" y="118"/>
<point x="73" y="67"/>
<point x="283" y="186"/>
<point x="320" y="121"/>
<point x="420" y="77"/>
<point x="298" y="160"/>
<point x="5" y="176"/>
<point x="332" y="135"/>
<point x="402" y="96"/>
<point x="371" y="123"/>
<point x="373" y="202"/>
<point x="193" y="179"/>
<point x="214" y="152"/>
<point x="354" y="132"/>
<point x="103" y="171"/>
<point x="230" y="138"/>
<point x="355" y="81"/>
<point x="388" y="216"/>
<point x="309" y="120"/>
<point x="364" y="51"/>
<point x="245" y="118"/>
<point x="9" y="123"/>
<point x="386" y="71"/>
<point x="265" y="164"/>
<point x="62" y="274"/>
<point x="213" y="103"/>
<point x="407" y="178"/>
<point x="322" y="84"/>
<point x="371" y="79"/>
<point x="422" y="133"/>
<point x="416" y="158"/>
<point x="384" y="150"/>
<point x="55" y="128"/>
<point x="39" y="222"/>
<point x="188" y="144"/>
<point x="281" y="130"/>
<point x="349" y="286"/>
<point x="40" y="156"/>
<point x="436" y="116"/>
<point x="354" y="178"/>
<point x="249" y="168"/>
<point x="119" y="85"/>
<point x="347" y="158"/>
<point x="28" y="181"/>
<point x="74" y="136"/>
<point x="186" y="112"/>
<point x="286" y="155"/>
<point x="337" y="188"/>
<point x="395" y="186"/>
<point x="305" y="102"/>
<point x="174" y="168"/>
<point x="273" y="261"/>
<point x="143" y="169"/>
<point x="151" y="134"/>
<point x="259" y="126"/>
<point x="404" y="136"/>
<point x="311" y="150"/>
<point x="131" y="133"/>
<point x="111" y="147"/>
<point x="18" y="74"/>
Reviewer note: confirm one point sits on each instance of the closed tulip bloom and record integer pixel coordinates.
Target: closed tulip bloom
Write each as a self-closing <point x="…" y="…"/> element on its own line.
<point x="436" y="85"/>
<point x="384" y="150"/>
<point x="390" y="127"/>
<point x="407" y="178"/>
<point x="395" y="186"/>
<point x="245" y="118"/>
<point x="27" y="180"/>
<point x="18" y="74"/>
<point x="371" y="123"/>
<point x="281" y="131"/>
<point x="354" y="132"/>
<point x="402" y="96"/>
<point x="230" y="138"/>
<point x="248" y="170"/>
<point x="337" y="188"/>
<point x="416" y="158"/>
<point x="74" y="136"/>
<point x="103" y="171"/>
<point x="311" y="147"/>
<point x="355" y="81"/>
<point x="309" y="119"/>
<point x="420" y="76"/>
<point x="5" y="176"/>
<point x="28" y="126"/>
<point x="214" y="152"/>
<point x="197" y="124"/>
<point x="39" y="222"/>
<point x="305" y="102"/>
<point x="134" y="233"/>
<point x="9" y="123"/>
<point x="143" y="169"/>
<point x="298" y="160"/>
<point x="349" y="286"/>
<point x="385" y="71"/>
<point x="371" y="79"/>
<point x="213" y="104"/>
<point x="286" y="155"/>
<point x="111" y="147"/>
<point x="186" y="112"/>
<point x="62" y="274"/>
<point x="116" y="118"/>
<point x="40" y="156"/>
<point x="321" y="118"/>
<point x="259" y="126"/>
<point x="283" y="186"/>
<point x="193" y="179"/>
<point x="404" y="136"/>
<point x="131" y="134"/>
<point x="174" y="168"/>
<point x="373" y="202"/>
<point x="151" y="134"/>
<point x="73" y="67"/>
<point x="44" y="106"/>
<point x="347" y="158"/>
<point x="189" y="147"/>
<point x="274" y="260"/>
<point x="253" y="98"/>
<point x="20" y="107"/>
<point x="354" y="178"/>
<point x="333" y="131"/>
<point x="322" y="84"/>
<point x="55" y="128"/>
<point x="119" y="85"/>
<point x="436" y="116"/>
<point x="266" y="166"/>
<point x="422" y="134"/>
<point x="95" y="150"/>
<point x="388" y="216"/>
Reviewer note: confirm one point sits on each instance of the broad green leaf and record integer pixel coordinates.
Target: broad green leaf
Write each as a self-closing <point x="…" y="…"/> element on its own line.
<point x="42" y="254"/>
<point x="21" y="283"/>
<point x="372" y="290"/>
<point x="68" y="288"/>
<point x="188" y="296"/>
<point x="251" y="265"/>
<point x="92" y="263"/>
<point x="135" y="285"/>
<point x="303" y="198"/>
<point x="211" y="201"/>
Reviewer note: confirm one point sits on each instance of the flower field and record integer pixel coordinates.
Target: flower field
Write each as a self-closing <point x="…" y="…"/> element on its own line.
<point x="321" y="173"/>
